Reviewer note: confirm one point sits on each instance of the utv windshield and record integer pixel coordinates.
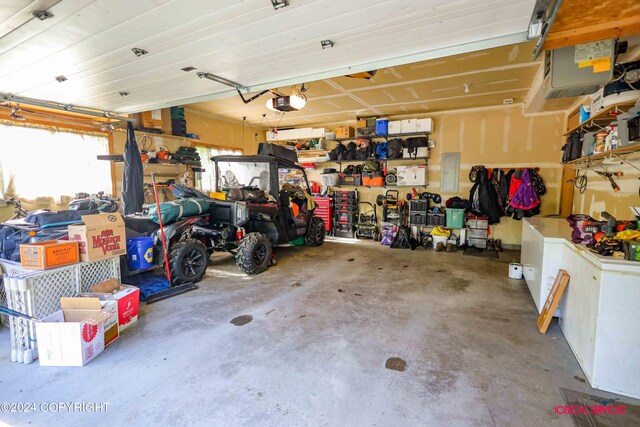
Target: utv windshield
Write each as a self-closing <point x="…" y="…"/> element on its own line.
<point x="242" y="175"/>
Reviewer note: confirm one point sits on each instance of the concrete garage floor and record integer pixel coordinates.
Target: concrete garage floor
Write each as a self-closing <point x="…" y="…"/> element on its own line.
<point x="325" y="322"/>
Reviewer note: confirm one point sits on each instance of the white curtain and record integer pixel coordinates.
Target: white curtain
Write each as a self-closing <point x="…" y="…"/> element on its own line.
<point x="41" y="163"/>
<point x="206" y="180"/>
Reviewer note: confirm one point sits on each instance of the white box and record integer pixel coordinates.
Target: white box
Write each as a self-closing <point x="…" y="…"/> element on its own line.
<point x="422" y="152"/>
<point x="282" y="135"/>
<point x="412" y="175"/>
<point x="74" y="335"/>
<point x="395" y="126"/>
<point x="597" y="101"/>
<point x="293" y="134"/>
<point x="318" y="133"/>
<point x="305" y="133"/>
<point x="409" y="126"/>
<point x="424" y="125"/>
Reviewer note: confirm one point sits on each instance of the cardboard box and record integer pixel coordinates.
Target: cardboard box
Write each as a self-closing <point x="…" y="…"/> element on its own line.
<point x="344" y="132"/>
<point x="111" y="331"/>
<point x="48" y="254"/>
<point x="74" y="335"/>
<point x="409" y="126"/>
<point x="597" y="102"/>
<point x="412" y="175"/>
<point x="126" y="298"/>
<point x="151" y="119"/>
<point x="101" y="236"/>
<point x="361" y="123"/>
<point x="395" y="126"/>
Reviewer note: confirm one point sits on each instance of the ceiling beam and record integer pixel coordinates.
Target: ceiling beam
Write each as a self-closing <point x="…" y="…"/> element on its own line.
<point x="601" y="31"/>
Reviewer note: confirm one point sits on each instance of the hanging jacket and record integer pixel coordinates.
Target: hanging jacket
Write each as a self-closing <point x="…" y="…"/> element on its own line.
<point x="516" y="180"/>
<point x="497" y="175"/>
<point x="538" y="183"/>
<point x="505" y="184"/>
<point x="484" y="197"/>
<point x="525" y="197"/>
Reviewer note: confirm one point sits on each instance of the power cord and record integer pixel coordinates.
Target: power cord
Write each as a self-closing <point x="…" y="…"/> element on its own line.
<point x="581" y="182"/>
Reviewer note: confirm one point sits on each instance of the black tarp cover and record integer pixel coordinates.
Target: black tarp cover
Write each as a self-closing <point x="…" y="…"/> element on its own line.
<point x="132" y="176"/>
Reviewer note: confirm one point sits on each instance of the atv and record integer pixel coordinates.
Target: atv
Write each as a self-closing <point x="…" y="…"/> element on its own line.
<point x="188" y="256"/>
<point x="267" y="202"/>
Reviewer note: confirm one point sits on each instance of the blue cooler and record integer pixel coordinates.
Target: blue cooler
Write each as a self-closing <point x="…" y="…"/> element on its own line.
<point x="140" y="252"/>
<point x="382" y="126"/>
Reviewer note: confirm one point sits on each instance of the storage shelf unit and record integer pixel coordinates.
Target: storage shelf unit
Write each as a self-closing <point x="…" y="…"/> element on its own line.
<point x="152" y="135"/>
<point x="601" y="119"/>
<point x="628" y="149"/>
<point x="385" y="136"/>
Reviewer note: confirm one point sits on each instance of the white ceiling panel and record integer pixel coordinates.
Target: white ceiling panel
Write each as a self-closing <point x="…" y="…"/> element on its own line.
<point x="90" y="42"/>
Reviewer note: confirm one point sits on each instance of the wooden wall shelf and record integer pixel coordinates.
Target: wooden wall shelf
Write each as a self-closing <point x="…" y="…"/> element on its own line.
<point x="601" y="119"/>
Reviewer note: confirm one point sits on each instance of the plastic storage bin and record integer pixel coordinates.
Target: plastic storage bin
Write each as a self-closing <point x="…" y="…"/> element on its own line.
<point x="455" y="218"/>
<point x="382" y="126"/>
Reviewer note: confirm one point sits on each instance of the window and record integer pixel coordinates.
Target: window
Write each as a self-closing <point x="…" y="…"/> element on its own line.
<point x="206" y="180"/>
<point x="43" y="163"/>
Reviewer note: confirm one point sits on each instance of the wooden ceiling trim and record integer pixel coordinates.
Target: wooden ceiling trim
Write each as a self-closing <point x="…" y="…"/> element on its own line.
<point x="580" y="22"/>
<point x="601" y="31"/>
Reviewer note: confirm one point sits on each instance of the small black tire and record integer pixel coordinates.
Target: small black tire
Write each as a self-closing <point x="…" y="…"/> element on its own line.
<point x="188" y="261"/>
<point x="317" y="232"/>
<point x="254" y="253"/>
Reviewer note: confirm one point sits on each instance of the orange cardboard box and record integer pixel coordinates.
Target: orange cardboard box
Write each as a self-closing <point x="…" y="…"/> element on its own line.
<point x="101" y="236"/>
<point x="344" y="132"/>
<point x="48" y="254"/>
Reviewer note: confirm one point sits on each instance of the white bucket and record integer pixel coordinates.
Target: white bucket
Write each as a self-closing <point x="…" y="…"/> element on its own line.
<point x="437" y="239"/>
<point x="515" y="270"/>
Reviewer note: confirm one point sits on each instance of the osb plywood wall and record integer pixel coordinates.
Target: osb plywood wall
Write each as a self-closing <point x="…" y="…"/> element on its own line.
<point x="496" y="138"/>
<point x="599" y="196"/>
<point x="213" y="132"/>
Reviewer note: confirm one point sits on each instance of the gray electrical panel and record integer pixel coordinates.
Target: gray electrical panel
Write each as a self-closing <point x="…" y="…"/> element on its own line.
<point x="449" y="172"/>
<point x="564" y="78"/>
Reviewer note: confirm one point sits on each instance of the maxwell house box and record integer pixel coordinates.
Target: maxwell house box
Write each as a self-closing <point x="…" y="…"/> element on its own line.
<point x="101" y="236"/>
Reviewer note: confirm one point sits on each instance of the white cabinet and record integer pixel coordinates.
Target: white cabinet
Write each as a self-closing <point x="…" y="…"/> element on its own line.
<point x="543" y="242"/>
<point x="599" y="313"/>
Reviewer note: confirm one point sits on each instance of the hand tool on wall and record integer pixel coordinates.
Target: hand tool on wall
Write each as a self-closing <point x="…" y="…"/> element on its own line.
<point x="609" y="176"/>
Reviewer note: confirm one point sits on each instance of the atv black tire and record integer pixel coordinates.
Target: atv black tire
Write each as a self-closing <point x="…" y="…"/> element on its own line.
<point x="188" y="261"/>
<point x="317" y="232"/>
<point x="254" y="253"/>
